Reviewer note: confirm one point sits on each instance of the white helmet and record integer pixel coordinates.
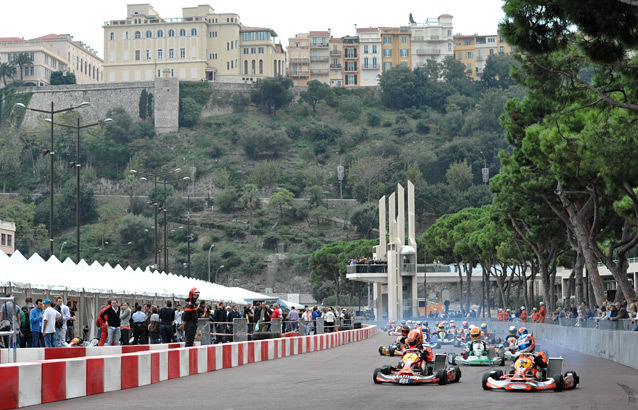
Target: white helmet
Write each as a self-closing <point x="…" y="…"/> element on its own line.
<point x="522" y="307"/>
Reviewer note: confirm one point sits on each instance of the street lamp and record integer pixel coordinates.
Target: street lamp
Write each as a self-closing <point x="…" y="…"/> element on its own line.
<point x="220" y="267"/>
<point x="485" y="171"/>
<point x="62" y="247"/>
<point x="76" y="165"/>
<point x="209" y="249"/>
<point x="51" y="153"/>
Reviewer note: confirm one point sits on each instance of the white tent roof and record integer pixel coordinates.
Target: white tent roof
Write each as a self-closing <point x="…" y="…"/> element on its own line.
<point x="36" y="273"/>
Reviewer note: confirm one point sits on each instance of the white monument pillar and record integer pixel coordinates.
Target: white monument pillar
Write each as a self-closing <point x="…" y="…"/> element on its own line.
<point x="393" y="312"/>
<point x="412" y="243"/>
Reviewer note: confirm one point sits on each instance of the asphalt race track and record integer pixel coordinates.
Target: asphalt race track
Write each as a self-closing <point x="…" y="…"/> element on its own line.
<point x="341" y="378"/>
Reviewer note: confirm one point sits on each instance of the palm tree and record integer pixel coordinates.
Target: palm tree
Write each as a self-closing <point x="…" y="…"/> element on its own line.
<point x="251" y="200"/>
<point x="22" y="59"/>
<point x="7" y="70"/>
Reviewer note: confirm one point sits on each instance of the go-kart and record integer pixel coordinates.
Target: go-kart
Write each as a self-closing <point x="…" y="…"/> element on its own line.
<point x="519" y="378"/>
<point x="461" y="337"/>
<point x="413" y="370"/>
<point x="479" y="357"/>
<point x="509" y="347"/>
<point x="432" y="341"/>
<point x="445" y="338"/>
<point x="394" y="331"/>
<point x="395" y="349"/>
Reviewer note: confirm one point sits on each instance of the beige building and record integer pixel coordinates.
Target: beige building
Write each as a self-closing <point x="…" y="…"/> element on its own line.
<point x="51" y="53"/>
<point x="7" y="237"/>
<point x="299" y="59"/>
<point x="473" y="51"/>
<point x="370" y="55"/>
<point x="336" y="62"/>
<point x="200" y="45"/>
<point x="320" y="56"/>
<point x="432" y="40"/>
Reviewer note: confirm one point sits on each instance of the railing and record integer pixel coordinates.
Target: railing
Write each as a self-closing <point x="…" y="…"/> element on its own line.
<point x="335" y="66"/>
<point x="480" y="58"/>
<point x="318" y="45"/>
<point x="370" y="66"/>
<point x="418" y="38"/>
<point x="299" y="60"/>
<point x="319" y="72"/>
<point x="299" y="75"/>
<point x="368" y="268"/>
<point x="320" y="59"/>
<point x="335" y="52"/>
<point x="428" y="51"/>
<point x="591" y="323"/>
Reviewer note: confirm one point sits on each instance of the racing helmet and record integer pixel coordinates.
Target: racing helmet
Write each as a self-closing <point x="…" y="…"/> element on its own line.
<point x="436" y="324"/>
<point x="419" y="323"/>
<point x="525" y="343"/>
<point x="465" y="325"/>
<point x="192" y="292"/>
<point x="500" y="310"/>
<point x="475" y="334"/>
<point x="402" y="322"/>
<point x="415" y="339"/>
<point x="441" y="326"/>
<point x="451" y="321"/>
<point x="405" y="330"/>
<point x="512" y="330"/>
<point x="483" y="326"/>
<point x="522" y="331"/>
<point x="542" y="303"/>
<point x="522" y="307"/>
<point x="453" y="325"/>
<point x="425" y="323"/>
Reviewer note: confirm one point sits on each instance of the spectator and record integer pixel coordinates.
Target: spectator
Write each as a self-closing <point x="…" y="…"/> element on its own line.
<point x="523" y="315"/>
<point x="48" y="325"/>
<point x="154" y="326"/>
<point x="232" y="315"/>
<point x="307" y="317"/>
<point x="70" y="332"/>
<point x="139" y="325"/>
<point x="8" y="312"/>
<point x="111" y="316"/>
<point x="220" y="318"/>
<point x="66" y="316"/>
<point x="167" y="317"/>
<point x="35" y="319"/>
<point x="179" y="334"/>
<point x="634" y="315"/>
<point x="249" y="315"/>
<point x="315" y="315"/>
<point x="125" y="323"/>
<point x="202" y="311"/>
<point x="148" y="311"/>
<point x="263" y="318"/>
<point x="26" y="326"/>
<point x="293" y="320"/>
<point x="536" y="317"/>
<point x="275" y="314"/>
<point x="190" y="317"/>
<point x="329" y="320"/>
<point x="542" y="312"/>
<point x="621" y="312"/>
<point x="103" y="327"/>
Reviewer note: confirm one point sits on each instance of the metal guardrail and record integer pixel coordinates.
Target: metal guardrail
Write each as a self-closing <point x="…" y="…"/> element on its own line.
<point x="14" y="332"/>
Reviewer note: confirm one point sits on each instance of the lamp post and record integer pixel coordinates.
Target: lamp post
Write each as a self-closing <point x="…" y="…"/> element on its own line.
<point x="164" y="210"/>
<point x="220" y="267"/>
<point x="209" y="249"/>
<point x="485" y="171"/>
<point x="51" y="153"/>
<point x="76" y="165"/>
<point x="62" y="247"/>
<point x="188" y="235"/>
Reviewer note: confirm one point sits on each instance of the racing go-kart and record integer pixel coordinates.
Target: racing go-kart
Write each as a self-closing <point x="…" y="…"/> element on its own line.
<point x="520" y="379"/>
<point x="462" y="337"/>
<point x="479" y="357"/>
<point x="445" y="338"/>
<point x="395" y="349"/>
<point x="413" y="370"/>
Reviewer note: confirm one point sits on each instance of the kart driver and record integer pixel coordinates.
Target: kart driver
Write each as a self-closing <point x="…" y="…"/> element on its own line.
<point x="415" y="342"/>
<point x="484" y="333"/>
<point x="512" y="336"/>
<point x="526" y="344"/>
<point x="475" y="336"/>
<point x="405" y="330"/>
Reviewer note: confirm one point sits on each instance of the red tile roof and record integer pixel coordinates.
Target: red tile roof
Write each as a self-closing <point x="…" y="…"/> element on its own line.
<point x="446" y="15"/>
<point x="10" y="39"/>
<point x="319" y="33"/>
<point x="47" y="37"/>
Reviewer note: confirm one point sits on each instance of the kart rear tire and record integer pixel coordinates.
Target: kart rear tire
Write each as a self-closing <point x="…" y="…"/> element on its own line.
<point x="386" y="369"/>
<point x="442" y="376"/>
<point x="576" y="378"/>
<point x="391" y="350"/>
<point x="560" y="383"/>
<point x="458" y="373"/>
<point x="374" y="375"/>
<point x="451" y="359"/>
<point x="498" y="374"/>
<point x="484" y="381"/>
<point x="502" y="360"/>
<point x="381" y="350"/>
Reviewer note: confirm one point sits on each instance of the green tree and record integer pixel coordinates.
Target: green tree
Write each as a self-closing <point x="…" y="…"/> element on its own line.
<point x="314" y="176"/>
<point x="7" y="70"/>
<point x="317" y="91"/>
<point x="398" y="88"/>
<point x="282" y="200"/>
<point x="252" y="200"/>
<point x="496" y="73"/>
<point x="62" y="77"/>
<point x="365" y="218"/>
<point x="143" y="109"/>
<point x="258" y="141"/>
<point x="9" y="164"/>
<point x="350" y="108"/>
<point x="266" y="174"/>
<point x="133" y="231"/>
<point x="164" y="191"/>
<point x="459" y="175"/>
<point x="189" y="112"/>
<point x="229" y="200"/>
<point x="272" y="93"/>
<point x="366" y="177"/>
<point x="29" y="233"/>
<point x="22" y="60"/>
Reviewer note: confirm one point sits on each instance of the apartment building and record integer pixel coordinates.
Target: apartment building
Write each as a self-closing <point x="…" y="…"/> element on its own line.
<point x="320" y="56"/>
<point x="336" y="62"/>
<point x="199" y="46"/>
<point x="51" y="53"/>
<point x="431" y="40"/>
<point x="396" y="47"/>
<point x="370" y="56"/>
<point x="351" y="64"/>
<point x="7" y="237"/>
<point x="299" y="59"/>
<point x="473" y="51"/>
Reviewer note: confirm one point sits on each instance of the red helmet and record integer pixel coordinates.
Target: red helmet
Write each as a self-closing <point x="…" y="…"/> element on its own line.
<point x="405" y="331"/>
<point x="415" y="340"/>
<point x="465" y="325"/>
<point x="192" y="292"/>
<point x="526" y="343"/>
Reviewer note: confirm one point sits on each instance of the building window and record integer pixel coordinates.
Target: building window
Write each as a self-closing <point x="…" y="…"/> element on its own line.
<point x="245" y="50"/>
<point x="351" y="80"/>
<point x="469" y="54"/>
<point x="148" y="54"/>
<point x="171" y="53"/>
<point x="3" y="240"/>
<point x="449" y="46"/>
<point x="227" y="65"/>
<point x="387" y="52"/>
<point x="137" y="55"/>
<point x="387" y="40"/>
<point x="138" y="35"/>
<point x="261" y="66"/>
<point x="460" y="56"/>
<point x="159" y="73"/>
<point x="491" y="51"/>
<point x="171" y="33"/>
<point x="469" y="67"/>
<point x="227" y="46"/>
<point x="149" y="34"/>
<point x="387" y="65"/>
<point x="365" y="49"/>
<point x="253" y="50"/>
<point x="160" y="54"/>
<point x="501" y="49"/>
<point x="245" y="67"/>
<point x="172" y="72"/>
<point x="491" y="39"/>
<point x="193" y="32"/>
<point x="404" y="52"/>
<point x="112" y="36"/>
<point x="404" y="39"/>
<point x="182" y="53"/>
<point x="374" y="49"/>
<point x="449" y="33"/>
<point x="261" y="50"/>
<point x="182" y="33"/>
<point x="467" y="42"/>
<point x="160" y="33"/>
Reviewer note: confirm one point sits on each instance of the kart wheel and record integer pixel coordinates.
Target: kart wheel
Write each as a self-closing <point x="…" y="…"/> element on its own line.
<point x="497" y="374"/>
<point x="451" y="359"/>
<point x="560" y="383"/>
<point x="381" y="350"/>
<point x="442" y="376"/>
<point x="576" y="378"/>
<point x="374" y="375"/>
<point x="391" y="350"/>
<point x="386" y="369"/>
<point x="502" y="360"/>
<point x="484" y="381"/>
<point x="458" y="373"/>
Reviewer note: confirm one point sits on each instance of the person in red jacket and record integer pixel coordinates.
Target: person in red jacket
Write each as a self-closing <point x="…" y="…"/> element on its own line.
<point x="104" y="327"/>
<point x="542" y="312"/>
<point x="523" y="314"/>
<point x="276" y="313"/>
<point x="536" y="317"/>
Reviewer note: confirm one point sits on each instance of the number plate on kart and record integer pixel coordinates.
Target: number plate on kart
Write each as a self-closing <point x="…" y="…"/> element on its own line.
<point x="410" y="357"/>
<point x="517" y="386"/>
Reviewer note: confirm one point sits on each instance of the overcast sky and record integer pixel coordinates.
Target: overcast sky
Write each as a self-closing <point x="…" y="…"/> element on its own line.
<point x="84" y="18"/>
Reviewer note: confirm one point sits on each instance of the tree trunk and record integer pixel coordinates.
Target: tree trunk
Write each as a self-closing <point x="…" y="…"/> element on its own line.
<point x="578" y="277"/>
<point x="250" y="222"/>
<point x="518" y="288"/>
<point x="337" y="288"/>
<point x="468" y="275"/>
<point x="458" y="267"/>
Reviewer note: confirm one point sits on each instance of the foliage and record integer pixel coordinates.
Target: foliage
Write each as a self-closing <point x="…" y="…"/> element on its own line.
<point x="64" y="207"/>
<point x="258" y="141"/>
<point x="282" y="200"/>
<point x="350" y="108"/>
<point x="266" y="174"/>
<point x="229" y="200"/>
<point x="7" y="70"/>
<point x="29" y="234"/>
<point x="132" y="231"/>
<point x="317" y="91"/>
<point x="366" y="177"/>
<point x="62" y="77"/>
<point x="459" y="175"/>
<point x="189" y="112"/>
<point x="365" y="218"/>
<point x="272" y="93"/>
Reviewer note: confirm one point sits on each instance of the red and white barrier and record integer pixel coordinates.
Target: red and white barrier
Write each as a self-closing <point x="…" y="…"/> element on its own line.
<point x="77" y="372"/>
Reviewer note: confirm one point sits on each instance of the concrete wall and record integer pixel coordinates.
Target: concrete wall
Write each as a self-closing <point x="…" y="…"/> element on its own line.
<point x="615" y="345"/>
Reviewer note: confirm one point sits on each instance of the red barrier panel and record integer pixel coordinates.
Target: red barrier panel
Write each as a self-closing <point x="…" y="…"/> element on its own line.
<point x="264" y="350"/>
<point x="94" y="375"/>
<point x="251" y="351"/>
<point x="130" y="366"/>
<point x="135" y="348"/>
<point x="192" y="362"/>
<point x="9" y="393"/>
<point x="64" y="353"/>
<point x="173" y="364"/>
<point x="53" y="381"/>
<point x="227" y="356"/>
<point x="212" y="358"/>
<point x="240" y="354"/>
<point x="155" y="368"/>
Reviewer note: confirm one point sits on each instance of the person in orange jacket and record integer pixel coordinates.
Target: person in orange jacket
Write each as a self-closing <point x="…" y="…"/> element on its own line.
<point x="506" y="315"/>
<point x="542" y="312"/>
<point x="523" y="314"/>
<point x="536" y="317"/>
<point x="499" y="315"/>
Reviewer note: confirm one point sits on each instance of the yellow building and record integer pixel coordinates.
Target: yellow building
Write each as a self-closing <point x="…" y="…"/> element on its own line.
<point x="200" y="45"/>
<point x="299" y="59"/>
<point x="396" y="45"/>
<point x="473" y="51"/>
<point x="51" y="53"/>
<point x="336" y="62"/>
<point x="7" y="237"/>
